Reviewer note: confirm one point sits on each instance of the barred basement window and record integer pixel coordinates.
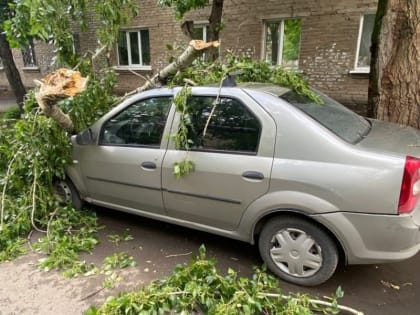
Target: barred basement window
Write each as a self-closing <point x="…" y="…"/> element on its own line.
<point x="134" y="48"/>
<point x="28" y="56"/>
<point x="282" y="42"/>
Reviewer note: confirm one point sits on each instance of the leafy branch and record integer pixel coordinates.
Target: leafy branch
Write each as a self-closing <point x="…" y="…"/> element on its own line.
<point x="200" y="288"/>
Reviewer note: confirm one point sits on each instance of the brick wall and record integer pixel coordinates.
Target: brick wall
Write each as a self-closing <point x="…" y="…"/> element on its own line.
<point x="328" y="40"/>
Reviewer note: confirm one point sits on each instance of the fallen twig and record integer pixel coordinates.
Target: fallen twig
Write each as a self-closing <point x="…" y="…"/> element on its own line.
<point x="177" y="255"/>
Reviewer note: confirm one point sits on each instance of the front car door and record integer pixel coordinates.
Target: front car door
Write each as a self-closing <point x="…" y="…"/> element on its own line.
<point x="232" y="160"/>
<point x="123" y="169"/>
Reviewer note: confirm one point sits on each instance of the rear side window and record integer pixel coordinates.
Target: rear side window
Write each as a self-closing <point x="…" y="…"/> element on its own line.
<point x="343" y="122"/>
<point x="140" y="124"/>
<point x="231" y="128"/>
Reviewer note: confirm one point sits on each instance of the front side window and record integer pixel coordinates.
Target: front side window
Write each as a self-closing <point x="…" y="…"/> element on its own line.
<point x="363" y="54"/>
<point x="28" y="55"/>
<point x="141" y="124"/>
<point x="231" y="127"/>
<point x="282" y="43"/>
<point x="134" y="48"/>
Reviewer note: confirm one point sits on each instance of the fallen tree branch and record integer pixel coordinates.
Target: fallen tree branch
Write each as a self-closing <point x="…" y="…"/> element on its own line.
<point x="194" y="48"/>
<point x="55" y="86"/>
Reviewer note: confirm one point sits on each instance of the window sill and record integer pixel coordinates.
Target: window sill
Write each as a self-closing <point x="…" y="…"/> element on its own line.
<point x="31" y="69"/>
<point x="132" y="68"/>
<point x="360" y="71"/>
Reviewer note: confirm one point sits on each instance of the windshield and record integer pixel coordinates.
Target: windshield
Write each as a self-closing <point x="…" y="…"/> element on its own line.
<point x="343" y="122"/>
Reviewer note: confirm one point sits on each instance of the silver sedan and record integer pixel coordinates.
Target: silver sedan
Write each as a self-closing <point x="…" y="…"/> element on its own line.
<point x="309" y="183"/>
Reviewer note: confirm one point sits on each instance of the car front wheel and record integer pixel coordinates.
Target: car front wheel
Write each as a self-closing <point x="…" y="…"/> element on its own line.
<point x="298" y="251"/>
<point x="67" y="193"/>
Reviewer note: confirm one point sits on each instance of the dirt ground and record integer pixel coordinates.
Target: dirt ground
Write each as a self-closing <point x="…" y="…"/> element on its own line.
<point x="158" y="247"/>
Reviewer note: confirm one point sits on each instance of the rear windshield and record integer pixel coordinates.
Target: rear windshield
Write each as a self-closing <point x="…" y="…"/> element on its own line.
<point x="343" y="122"/>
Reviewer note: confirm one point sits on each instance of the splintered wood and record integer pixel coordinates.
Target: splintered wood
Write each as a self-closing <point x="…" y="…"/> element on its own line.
<point x="58" y="85"/>
<point x="63" y="83"/>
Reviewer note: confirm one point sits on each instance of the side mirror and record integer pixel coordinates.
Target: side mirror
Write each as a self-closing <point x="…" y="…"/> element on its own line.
<point x="84" y="137"/>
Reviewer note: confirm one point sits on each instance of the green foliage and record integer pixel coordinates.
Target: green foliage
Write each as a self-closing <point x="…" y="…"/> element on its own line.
<point x="292" y="30"/>
<point x="183" y="168"/>
<point x="249" y="70"/>
<point x="55" y="22"/>
<point x="118" y="238"/>
<point x="180" y="138"/>
<point x="181" y="7"/>
<point x="118" y="260"/>
<point x="70" y="232"/>
<point x="199" y="287"/>
<point x="12" y="113"/>
<point x="34" y="152"/>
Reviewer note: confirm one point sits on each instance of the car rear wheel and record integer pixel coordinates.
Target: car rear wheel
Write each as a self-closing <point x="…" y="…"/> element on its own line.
<point x="67" y="193"/>
<point x="298" y="251"/>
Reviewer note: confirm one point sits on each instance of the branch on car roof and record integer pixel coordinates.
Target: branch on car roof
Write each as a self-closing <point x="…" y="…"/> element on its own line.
<point x="194" y="49"/>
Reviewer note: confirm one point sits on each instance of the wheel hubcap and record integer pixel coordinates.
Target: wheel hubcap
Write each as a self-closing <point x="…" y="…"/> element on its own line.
<point x="63" y="192"/>
<point x="296" y="253"/>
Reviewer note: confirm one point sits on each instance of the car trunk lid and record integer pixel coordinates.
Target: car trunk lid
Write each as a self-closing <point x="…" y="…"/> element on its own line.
<point x="394" y="138"/>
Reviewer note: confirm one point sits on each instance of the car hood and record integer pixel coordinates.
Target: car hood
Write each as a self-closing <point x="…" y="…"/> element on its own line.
<point x="385" y="136"/>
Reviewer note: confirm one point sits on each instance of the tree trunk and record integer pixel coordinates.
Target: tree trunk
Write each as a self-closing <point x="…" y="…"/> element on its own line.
<point x="11" y="71"/>
<point x="395" y="67"/>
<point x="215" y="24"/>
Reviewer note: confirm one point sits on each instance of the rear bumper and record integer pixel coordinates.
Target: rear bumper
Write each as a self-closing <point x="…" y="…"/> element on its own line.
<point x="371" y="238"/>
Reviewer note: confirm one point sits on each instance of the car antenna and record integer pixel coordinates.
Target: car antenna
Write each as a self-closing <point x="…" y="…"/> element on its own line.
<point x="229" y="81"/>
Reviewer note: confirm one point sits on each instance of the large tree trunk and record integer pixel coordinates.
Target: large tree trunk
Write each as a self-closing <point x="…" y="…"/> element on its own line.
<point x="394" y="93"/>
<point x="11" y="71"/>
<point x="215" y="24"/>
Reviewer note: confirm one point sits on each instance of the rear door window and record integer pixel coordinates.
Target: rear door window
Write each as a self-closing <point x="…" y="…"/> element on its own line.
<point x="231" y="126"/>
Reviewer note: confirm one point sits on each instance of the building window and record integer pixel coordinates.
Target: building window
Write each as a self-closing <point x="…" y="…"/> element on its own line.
<point x="134" y="48"/>
<point x="362" y="62"/>
<point x="28" y="56"/>
<point x="199" y="32"/>
<point x="76" y="44"/>
<point x="282" y="43"/>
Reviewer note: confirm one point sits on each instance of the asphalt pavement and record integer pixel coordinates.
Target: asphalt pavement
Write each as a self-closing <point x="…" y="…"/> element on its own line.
<point x="386" y="289"/>
<point x="7" y="102"/>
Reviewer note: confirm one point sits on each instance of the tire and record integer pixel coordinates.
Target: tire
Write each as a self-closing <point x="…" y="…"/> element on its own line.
<point x="298" y="251"/>
<point x="68" y="194"/>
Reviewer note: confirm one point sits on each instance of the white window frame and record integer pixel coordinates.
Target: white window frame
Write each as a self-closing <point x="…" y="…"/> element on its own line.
<point x="203" y="27"/>
<point x="356" y="68"/>
<point x="31" y="50"/>
<point x="130" y="65"/>
<point x="281" y="39"/>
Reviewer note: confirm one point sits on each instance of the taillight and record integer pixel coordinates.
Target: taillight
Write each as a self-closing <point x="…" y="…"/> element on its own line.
<point x="410" y="186"/>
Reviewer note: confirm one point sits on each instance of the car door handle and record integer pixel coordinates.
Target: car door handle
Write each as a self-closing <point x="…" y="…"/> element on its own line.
<point x="148" y="165"/>
<point x="253" y="175"/>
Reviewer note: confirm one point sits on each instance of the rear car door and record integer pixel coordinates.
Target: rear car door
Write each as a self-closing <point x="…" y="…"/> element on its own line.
<point x="123" y="169"/>
<point x="233" y="159"/>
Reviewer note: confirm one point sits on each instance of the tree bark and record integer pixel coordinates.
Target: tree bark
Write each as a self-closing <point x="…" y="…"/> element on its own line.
<point x="11" y="71"/>
<point x="394" y="93"/>
<point x="215" y="24"/>
<point x="58" y="85"/>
